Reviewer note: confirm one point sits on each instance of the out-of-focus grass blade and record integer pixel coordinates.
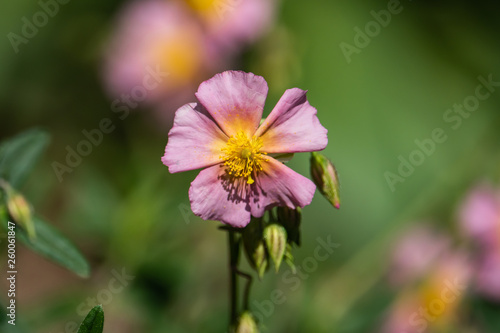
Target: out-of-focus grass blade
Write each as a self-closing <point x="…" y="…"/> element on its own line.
<point x="19" y="154"/>
<point x="94" y="322"/>
<point x="51" y="244"/>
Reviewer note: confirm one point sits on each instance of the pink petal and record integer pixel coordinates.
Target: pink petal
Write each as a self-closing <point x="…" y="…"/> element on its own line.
<point x="415" y="253"/>
<point x="235" y="100"/>
<point x="480" y="215"/>
<point x="242" y="22"/>
<point x="216" y="196"/>
<point x="292" y="126"/>
<point x="278" y="185"/>
<point x="195" y="141"/>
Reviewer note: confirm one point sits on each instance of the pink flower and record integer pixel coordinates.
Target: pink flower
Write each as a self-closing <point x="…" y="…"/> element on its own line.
<point x="480" y="216"/>
<point x="221" y="133"/>
<point x="232" y="23"/>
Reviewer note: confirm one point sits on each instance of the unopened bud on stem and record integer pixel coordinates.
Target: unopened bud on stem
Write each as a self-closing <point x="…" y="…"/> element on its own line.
<point x="246" y="324"/>
<point x="253" y="243"/>
<point x="325" y="177"/>
<point x="275" y="236"/>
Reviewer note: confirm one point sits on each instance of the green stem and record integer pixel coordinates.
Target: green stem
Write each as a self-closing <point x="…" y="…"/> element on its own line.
<point x="246" y="295"/>
<point x="234" y="248"/>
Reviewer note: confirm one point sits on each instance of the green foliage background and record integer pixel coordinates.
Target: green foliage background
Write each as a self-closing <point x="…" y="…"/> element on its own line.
<point x="124" y="210"/>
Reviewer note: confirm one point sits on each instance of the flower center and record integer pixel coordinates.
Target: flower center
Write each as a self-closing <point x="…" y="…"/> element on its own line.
<point x="242" y="156"/>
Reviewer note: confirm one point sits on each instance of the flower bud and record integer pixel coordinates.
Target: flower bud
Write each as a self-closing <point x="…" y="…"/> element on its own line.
<point x="255" y="249"/>
<point x="246" y="324"/>
<point x="325" y="177"/>
<point x="290" y="261"/>
<point x="19" y="209"/>
<point x="260" y="259"/>
<point x="290" y="219"/>
<point x="275" y="236"/>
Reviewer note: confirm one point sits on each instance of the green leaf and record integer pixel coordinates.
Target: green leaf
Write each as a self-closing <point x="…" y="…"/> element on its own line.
<point x="94" y="322"/>
<point x="19" y="154"/>
<point x="51" y="244"/>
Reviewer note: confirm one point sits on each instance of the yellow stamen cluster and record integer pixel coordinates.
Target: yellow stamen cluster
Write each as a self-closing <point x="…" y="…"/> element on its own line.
<point x="242" y="156"/>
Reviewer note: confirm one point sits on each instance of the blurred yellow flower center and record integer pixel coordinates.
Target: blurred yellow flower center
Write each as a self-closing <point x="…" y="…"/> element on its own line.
<point x="432" y="298"/>
<point x="201" y="5"/>
<point x="242" y="156"/>
<point x="212" y="11"/>
<point x="180" y="57"/>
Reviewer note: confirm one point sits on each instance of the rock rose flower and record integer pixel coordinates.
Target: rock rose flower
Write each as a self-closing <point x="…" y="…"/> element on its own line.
<point x="242" y="175"/>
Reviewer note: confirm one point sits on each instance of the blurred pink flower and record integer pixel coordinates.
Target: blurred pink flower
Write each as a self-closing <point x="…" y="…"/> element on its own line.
<point x="415" y="253"/>
<point x="161" y="50"/>
<point x="480" y="220"/>
<point x="233" y="23"/>
<point x="242" y="176"/>
<point x="433" y="300"/>
<point x="160" y="37"/>
<point x="480" y="216"/>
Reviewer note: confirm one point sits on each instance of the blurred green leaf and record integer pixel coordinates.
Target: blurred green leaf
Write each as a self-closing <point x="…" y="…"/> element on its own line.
<point x="94" y="322"/>
<point x="3" y="212"/>
<point x="19" y="154"/>
<point x="5" y="326"/>
<point x="51" y="244"/>
<point x="486" y="312"/>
